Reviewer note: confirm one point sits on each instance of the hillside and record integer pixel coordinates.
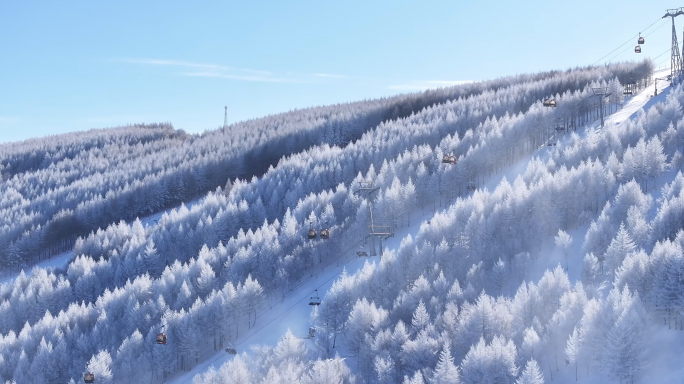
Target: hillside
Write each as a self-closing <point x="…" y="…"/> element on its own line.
<point x="236" y="269"/>
<point x="457" y="308"/>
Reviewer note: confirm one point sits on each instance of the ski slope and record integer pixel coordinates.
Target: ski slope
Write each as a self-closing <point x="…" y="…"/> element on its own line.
<point x="293" y="312"/>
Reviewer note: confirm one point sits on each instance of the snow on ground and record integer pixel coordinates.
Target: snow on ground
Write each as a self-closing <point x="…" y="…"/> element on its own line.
<point x="57" y="261"/>
<point x="293" y="312"/>
<point x="665" y="345"/>
<point x="549" y="255"/>
<point x="152" y="219"/>
<point x="62" y="260"/>
<point x="664" y="364"/>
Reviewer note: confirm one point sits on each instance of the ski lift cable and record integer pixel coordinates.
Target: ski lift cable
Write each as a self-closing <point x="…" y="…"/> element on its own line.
<point x="628" y="41"/>
<point x="624" y="50"/>
<point x="668" y="50"/>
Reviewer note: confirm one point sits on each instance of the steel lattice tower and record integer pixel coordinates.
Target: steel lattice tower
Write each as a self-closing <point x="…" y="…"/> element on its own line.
<point x="676" y="58"/>
<point x="225" y="117"/>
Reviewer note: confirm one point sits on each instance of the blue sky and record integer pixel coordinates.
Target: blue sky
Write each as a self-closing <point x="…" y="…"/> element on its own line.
<point x="76" y="65"/>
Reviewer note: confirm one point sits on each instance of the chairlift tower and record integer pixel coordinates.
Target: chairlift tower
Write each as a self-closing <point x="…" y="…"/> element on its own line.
<point x="601" y="92"/>
<point x="367" y="187"/>
<point x="676" y="58"/>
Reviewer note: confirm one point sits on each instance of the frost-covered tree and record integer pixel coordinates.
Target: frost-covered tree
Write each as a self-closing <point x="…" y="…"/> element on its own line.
<point x="625" y="354"/>
<point x="499" y="275"/>
<point x="490" y="363"/>
<point x="619" y="247"/>
<point x="100" y="365"/>
<point x="328" y="371"/>
<point x="564" y="241"/>
<point x="445" y="371"/>
<point x="531" y="374"/>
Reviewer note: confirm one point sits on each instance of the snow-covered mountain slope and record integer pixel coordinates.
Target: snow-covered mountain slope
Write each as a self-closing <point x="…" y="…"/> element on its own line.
<point x="551" y="257"/>
<point x="208" y="293"/>
<point x="566" y="327"/>
<point x="56" y="188"/>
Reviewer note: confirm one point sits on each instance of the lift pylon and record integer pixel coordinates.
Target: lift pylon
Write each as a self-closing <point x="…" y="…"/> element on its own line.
<point x="675" y="56"/>
<point x="601" y="92"/>
<point x="382" y="231"/>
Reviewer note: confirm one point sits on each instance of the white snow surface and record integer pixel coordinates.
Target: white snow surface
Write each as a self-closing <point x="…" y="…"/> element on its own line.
<point x="293" y="312"/>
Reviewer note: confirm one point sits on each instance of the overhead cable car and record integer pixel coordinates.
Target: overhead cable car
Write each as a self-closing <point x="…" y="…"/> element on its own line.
<point x="471" y="186"/>
<point x="325" y="234"/>
<point x="449" y="159"/>
<point x="89" y="377"/>
<point x="161" y="338"/>
<point x="315" y="300"/>
<point x="312" y="234"/>
<point x="637" y="49"/>
<point x="550" y="103"/>
<point x="312" y="332"/>
<point x="641" y="39"/>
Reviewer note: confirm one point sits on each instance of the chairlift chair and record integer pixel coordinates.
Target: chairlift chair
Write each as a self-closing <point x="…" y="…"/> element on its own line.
<point x="550" y="143"/>
<point x="161" y="338"/>
<point x="447" y="159"/>
<point x="362" y="253"/>
<point x="325" y="234"/>
<point x="231" y="351"/>
<point x="315" y="300"/>
<point x="550" y="103"/>
<point x="637" y="49"/>
<point x="89" y="377"/>
<point x="312" y="234"/>
<point x="560" y="128"/>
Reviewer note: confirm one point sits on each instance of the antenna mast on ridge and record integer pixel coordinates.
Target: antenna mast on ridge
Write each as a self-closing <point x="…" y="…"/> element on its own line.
<point x="225" y="117"/>
<point x="676" y="58"/>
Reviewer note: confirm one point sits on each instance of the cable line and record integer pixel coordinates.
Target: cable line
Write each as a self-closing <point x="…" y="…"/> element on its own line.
<point x="630" y="39"/>
<point x="623" y="51"/>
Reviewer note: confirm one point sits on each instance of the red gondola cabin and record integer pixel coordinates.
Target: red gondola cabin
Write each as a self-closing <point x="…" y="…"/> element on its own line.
<point x="161" y="338"/>
<point x="449" y="159"/>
